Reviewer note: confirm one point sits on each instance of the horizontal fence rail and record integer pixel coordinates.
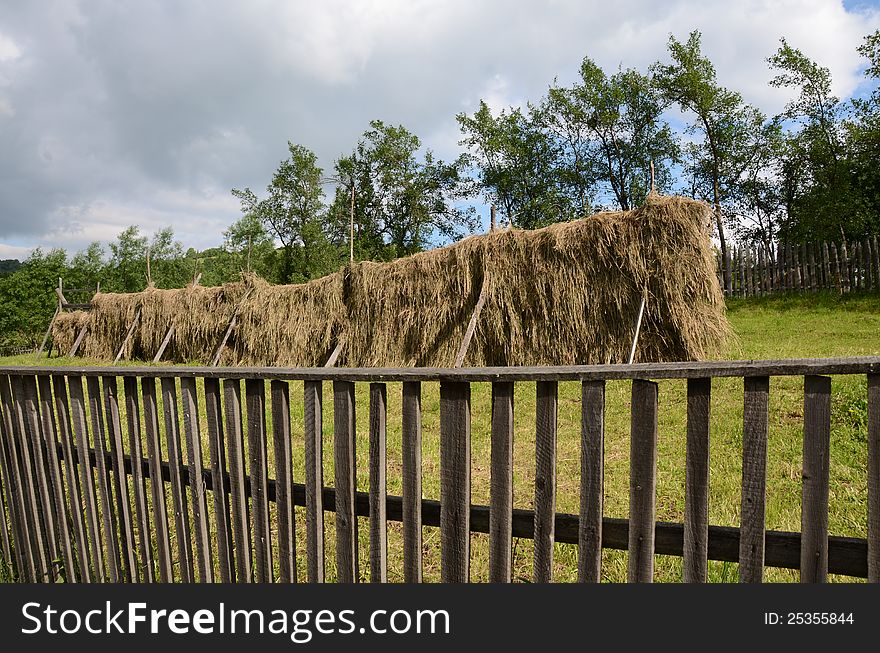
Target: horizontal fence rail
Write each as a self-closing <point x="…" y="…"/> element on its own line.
<point x="159" y="474"/>
<point x="788" y="267"/>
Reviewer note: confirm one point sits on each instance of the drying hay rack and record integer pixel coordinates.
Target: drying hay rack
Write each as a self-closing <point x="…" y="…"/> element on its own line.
<point x="64" y="305"/>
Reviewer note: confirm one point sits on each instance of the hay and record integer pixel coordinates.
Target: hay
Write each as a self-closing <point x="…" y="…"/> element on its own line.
<point x="565" y="294"/>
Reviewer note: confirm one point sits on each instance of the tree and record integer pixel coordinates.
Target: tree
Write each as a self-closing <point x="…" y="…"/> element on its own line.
<point x="609" y="130"/>
<point x="820" y="201"/>
<point x="27" y="300"/>
<point x="690" y="82"/>
<point x="401" y="200"/>
<point x="516" y="166"/>
<point x="128" y="261"/>
<point x="293" y="213"/>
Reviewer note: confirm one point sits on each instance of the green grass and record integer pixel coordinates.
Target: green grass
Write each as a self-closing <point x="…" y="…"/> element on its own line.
<point x="821" y="325"/>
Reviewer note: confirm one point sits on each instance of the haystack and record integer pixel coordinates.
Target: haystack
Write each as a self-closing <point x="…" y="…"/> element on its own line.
<point x="565" y="294"/>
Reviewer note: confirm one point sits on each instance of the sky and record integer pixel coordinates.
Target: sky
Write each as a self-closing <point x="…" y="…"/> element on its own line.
<point x="118" y="113"/>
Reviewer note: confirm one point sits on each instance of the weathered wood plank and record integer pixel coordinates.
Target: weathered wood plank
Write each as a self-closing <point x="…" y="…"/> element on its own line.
<point x="102" y="475"/>
<point x="545" y="478"/>
<point x="193" y="434"/>
<point x="128" y="335"/>
<point x="72" y="477"/>
<point x="814" y="503"/>
<point x="283" y="482"/>
<point x="78" y="341"/>
<point x="219" y="481"/>
<point x="7" y="539"/>
<point x="755" y="426"/>
<point x="26" y="388"/>
<point x="378" y="485"/>
<point x="411" y="457"/>
<point x="592" y="481"/>
<point x="696" y="500"/>
<point x="16" y="489"/>
<point x="146" y="571"/>
<point x="455" y="482"/>
<point x="314" y="456"/>
<point x="255" y="396"/>
<point x="501" y="484"/>
<point x="157" y="485"/>
<point x="87" y="481"/>
<point x="874" y="478"/>
<point x="643" y="482"/>
<point x="127" y="544"/>
<point x="178" y="495"/>
<point x="164" y="345"/>
<point x="235" y="458"/>
<point x="472" y="324"/>
<point x="345" y="481"/>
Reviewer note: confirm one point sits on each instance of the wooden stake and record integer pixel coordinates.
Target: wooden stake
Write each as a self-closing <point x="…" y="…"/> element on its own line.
<point x="472" y="325"/>
<point x="149" y="274"/>
<point x="49" y="330"/>
<point x="232" y="322"/>
<point x="351" y="227"/>
<point x="492" y="223"/>
<point x="128" y="335"/>
<point x="79" y="339"/>
<point x="332" y="360"/>
<point x="164" y="344"/>
<point x="632" y="351"/>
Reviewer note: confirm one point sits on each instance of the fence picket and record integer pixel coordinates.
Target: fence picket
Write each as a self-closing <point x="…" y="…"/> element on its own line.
<point x="193" y="436"/>
<point x="33" y="431"/>
<point x="314" y="449"/>
<point x="501" y="483"/>
<point x="112" y="558"/>
<point x="175" y="464"/>
<point x="18" y="492"/>
<point x="545" y="478"/>
<point x="874" y="478"/>
<point x="157" y="484"/>
<point x="455" y="481"/>
<point x="74" y="494"/>
<point x="235" y="457"/>
<point x="283" y="482"/>
<point x="814" y="503"/>
<point x="127" y="545"/>
<point x="378" y="485"/>
<point x="696" y="501"/>
<point x="255" y="398"/>
<point x="220" y="485"/>
<point x="56" y="479"/>
<point x="643" y="481"/>
<point x="87" y="481"/>
<point x="592" y="481"/>
<point x="346" y="479"/>
<point x="755" y="426"/>
<point x="11" y="493"/>
<point x="146" y="572"/>
<point x="411" y="458"/>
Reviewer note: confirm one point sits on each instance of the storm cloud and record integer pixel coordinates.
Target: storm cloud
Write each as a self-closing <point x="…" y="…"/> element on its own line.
<point x="149" y="112"/>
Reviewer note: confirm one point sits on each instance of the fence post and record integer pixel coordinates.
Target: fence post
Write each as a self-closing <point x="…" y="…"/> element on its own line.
<point x="501" y="483"/>
<point x="643" y="481"/>
<point x="696" y="519"/>
<point x="455" y="481"/>
<point x="814" y="502"/>
<point x="755" y="424"/>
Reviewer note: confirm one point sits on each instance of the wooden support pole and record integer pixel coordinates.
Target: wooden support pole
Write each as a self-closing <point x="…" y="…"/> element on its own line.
<point x="128" y="335"/>
<point x="492" y="224"/>
<point x="472" y="325"/>
<point x="215" y="360"/>
<point x="49" y="330"/>
<point x="164" y="344"/>
<point x="632" y="351"/>
<point x="332" y="360"/>
<point x="78" y="341"/>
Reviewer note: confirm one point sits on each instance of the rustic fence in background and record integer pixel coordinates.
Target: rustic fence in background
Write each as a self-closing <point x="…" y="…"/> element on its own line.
<point x="842" y="267"/>
<point x="93" y="497"/>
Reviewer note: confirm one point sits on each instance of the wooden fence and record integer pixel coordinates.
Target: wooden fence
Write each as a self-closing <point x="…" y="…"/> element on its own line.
<point x="842" y="267"/>
<point x="80" y="495"/>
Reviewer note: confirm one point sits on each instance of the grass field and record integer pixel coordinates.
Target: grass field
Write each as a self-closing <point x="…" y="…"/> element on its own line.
<point x="822" y="325"/>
